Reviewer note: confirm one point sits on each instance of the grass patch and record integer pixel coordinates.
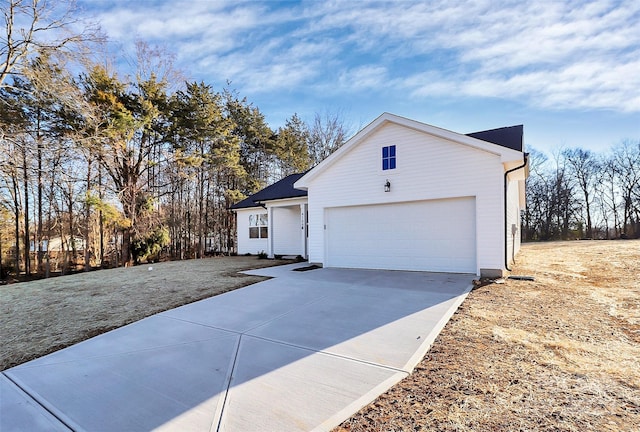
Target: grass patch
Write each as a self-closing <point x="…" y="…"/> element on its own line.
<point x="42" y="316"/>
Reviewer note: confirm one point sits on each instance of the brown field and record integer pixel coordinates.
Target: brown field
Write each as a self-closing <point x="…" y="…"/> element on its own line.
<point x="42" y="316"/>
<point x="558" y="354"/>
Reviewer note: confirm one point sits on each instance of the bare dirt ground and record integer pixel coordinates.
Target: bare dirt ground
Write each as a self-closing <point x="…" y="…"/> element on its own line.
<point x="558" y="354"/>
<point x="42" y="316"/>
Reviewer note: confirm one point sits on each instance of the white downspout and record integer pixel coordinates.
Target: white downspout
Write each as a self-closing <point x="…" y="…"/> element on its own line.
<point x="303" y="230"/>
<point x="270" y="232"/>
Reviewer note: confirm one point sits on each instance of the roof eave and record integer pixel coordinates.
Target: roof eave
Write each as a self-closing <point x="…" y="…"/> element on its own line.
<point x="257" y="206"/>
<point x="288" y="201"/>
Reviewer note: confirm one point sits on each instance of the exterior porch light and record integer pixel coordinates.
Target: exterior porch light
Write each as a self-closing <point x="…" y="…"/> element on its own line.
<point x="387" y="186"/>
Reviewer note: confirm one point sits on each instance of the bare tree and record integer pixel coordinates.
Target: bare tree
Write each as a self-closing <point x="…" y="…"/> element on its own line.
<point x="605" y="196"/>
<point x="326" y="135"/>
<point x="551" y="202"/>
<point x="583" y="167"/>
<point x="626" y="163"/>
<point x="539" y="209"/>
<point x="38" y="27"/>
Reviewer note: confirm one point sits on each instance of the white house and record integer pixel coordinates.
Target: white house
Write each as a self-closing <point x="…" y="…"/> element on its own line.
<point x="58" y="244"/>
<point x="273" y="220"/>
<point x="404" y="195"/>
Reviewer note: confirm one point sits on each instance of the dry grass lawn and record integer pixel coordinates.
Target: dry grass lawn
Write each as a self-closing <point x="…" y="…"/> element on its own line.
<point x="42" y="316"/>
<point x="558" y="354"/>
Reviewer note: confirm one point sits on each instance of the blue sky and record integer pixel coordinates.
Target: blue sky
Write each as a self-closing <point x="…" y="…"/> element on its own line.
<point x="568" y="70"/>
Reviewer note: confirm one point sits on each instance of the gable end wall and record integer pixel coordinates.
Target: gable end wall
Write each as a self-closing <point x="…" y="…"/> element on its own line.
<point x="428" y="167"/>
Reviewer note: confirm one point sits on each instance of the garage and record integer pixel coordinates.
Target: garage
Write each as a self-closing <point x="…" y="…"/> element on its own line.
<point x="431" y="235"/>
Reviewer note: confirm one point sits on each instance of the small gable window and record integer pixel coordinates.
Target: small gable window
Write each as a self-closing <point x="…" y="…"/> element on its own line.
<point x="258" y="226"/>
<point x="389" y="157"/>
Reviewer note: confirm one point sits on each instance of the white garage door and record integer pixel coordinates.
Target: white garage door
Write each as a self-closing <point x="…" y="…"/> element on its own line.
<point x="435" y="235"/>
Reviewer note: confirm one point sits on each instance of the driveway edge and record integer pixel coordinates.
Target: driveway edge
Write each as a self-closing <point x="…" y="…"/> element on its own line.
<point x="431" y="337"/>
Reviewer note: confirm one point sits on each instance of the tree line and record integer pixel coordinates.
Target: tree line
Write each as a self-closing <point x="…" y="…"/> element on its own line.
<point x="116" y="169"/>
<point x="576" y="194"/>
<point x="100" y="168"/>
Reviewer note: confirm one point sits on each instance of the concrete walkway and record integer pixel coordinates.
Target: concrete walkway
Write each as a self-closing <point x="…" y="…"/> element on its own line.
<point x="302" y="351"/>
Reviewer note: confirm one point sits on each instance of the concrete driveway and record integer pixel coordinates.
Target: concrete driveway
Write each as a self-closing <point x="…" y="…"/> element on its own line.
<point x="302" y="351"/>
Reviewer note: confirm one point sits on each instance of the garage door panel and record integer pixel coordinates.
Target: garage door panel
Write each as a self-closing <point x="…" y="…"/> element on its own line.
<point x="436" y="235"/>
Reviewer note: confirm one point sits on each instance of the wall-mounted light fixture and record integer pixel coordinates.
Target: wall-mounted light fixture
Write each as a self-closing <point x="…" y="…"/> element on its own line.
<point x="387" y="186"/>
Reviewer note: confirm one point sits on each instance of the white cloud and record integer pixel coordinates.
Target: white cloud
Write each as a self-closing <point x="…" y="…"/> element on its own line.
<point x="364" y="78"/>
<point x="176" y="22"/>
<point x="550" y="54"/>
<point x="553" y="54"/>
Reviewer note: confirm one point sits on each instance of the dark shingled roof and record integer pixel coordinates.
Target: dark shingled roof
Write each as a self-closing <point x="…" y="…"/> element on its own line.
<point x="510" y="137"/>
<point x="279" y="190"/>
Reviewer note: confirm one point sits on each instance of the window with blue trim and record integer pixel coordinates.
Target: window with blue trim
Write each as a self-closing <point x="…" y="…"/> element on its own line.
<point x="389" y="157"/>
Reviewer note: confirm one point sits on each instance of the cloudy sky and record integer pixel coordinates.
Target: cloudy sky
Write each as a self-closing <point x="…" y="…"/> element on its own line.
<point x="568" y="70"/>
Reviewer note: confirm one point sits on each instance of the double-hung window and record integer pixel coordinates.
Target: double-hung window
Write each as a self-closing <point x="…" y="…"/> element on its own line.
<point x="258" y="226"/>
<point x="389" y="157"/>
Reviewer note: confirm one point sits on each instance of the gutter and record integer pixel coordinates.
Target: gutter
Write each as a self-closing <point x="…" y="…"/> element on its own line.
<point x="506" y="174"/>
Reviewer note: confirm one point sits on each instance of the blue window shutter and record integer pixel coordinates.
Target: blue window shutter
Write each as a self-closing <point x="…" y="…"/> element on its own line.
<point x="385" y="164"/>
<point x="392" y="163"/>
<point x="385" y="152"/>
<point x="392" y="151"/>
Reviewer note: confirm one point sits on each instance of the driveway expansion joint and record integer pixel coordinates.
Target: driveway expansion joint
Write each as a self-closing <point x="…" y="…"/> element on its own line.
<point x="25" y="390"/>
<point x="229" y="380"/>
<point x="340" y="356"/>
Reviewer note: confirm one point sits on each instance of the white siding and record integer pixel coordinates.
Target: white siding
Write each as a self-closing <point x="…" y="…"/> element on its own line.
<point x="287" y="231"/>
<point x="513" y="227"/>
<point x="245" y="244"/>
<point x="428" y="167"/>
